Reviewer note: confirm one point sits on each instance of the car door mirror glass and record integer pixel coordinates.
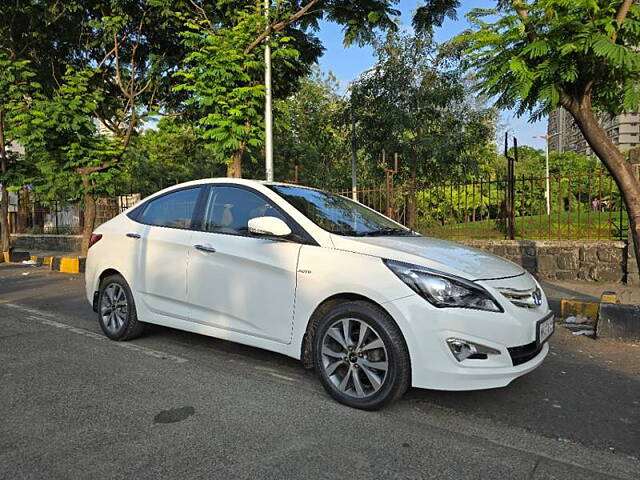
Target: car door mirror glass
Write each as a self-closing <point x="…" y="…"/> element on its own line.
<point x="269" y="226"/>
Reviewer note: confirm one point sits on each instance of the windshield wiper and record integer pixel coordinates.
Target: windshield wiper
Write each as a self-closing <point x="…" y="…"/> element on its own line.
<point x="384" y="231"/>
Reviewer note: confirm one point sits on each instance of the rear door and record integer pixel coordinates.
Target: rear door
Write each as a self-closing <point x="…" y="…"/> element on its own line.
<point x="236" y="281"/>
<point x="165" y="245"/>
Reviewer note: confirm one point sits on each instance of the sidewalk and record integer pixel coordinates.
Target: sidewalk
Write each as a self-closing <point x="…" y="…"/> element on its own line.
<point x="588" y="291"/>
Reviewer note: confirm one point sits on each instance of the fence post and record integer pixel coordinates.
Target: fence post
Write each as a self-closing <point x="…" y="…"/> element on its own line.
<point x="511" y="185"/>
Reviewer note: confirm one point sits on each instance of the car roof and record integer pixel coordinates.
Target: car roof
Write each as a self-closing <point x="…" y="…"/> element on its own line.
<point x="234" y="181"/>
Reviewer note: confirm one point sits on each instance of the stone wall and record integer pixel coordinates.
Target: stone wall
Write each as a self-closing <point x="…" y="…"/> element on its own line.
<point x="47" y="243"/>
<point x="594" y="261"/>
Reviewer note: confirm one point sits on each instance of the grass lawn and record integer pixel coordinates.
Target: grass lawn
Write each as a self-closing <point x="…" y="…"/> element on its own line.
<point x="557" y="226"/>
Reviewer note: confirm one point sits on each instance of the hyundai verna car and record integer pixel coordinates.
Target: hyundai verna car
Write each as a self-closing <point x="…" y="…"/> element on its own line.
<point x="372" y="306"/>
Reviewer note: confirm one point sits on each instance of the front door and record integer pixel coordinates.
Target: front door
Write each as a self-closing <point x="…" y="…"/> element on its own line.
<point x="236" y="281"/>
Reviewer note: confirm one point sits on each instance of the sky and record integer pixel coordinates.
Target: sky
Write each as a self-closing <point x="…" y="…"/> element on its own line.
<point x="347" y="63"/>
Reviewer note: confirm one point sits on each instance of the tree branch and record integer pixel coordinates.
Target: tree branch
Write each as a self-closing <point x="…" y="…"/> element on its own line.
<point x="85" y="171"/>
<point x="276" y="27"/>
<point x="620" y="17"/>
<point x="523" y="14"/>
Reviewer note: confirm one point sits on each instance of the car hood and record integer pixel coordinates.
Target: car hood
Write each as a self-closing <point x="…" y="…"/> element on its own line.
<point x="448" y="257"/>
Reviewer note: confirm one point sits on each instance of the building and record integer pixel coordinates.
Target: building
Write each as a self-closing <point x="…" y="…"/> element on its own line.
<point x="565" y="135"/>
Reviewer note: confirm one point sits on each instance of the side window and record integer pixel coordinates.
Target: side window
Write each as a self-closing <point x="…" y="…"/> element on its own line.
<point x="173" y="210"/>
<point x="229" y="209"/>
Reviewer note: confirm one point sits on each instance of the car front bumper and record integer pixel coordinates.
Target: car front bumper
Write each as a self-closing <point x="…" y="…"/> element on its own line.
<point x="426" y="330"/>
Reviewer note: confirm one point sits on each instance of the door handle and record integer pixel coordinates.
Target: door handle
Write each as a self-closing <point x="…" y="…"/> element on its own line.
<point x="133" y="235"/>
<point x="203" y="248"/>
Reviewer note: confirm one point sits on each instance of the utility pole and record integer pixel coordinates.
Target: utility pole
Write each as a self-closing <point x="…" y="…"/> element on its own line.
<point x="268" y="119"/>
<point x="547" y="194"/>
<point x="354" y="183"/>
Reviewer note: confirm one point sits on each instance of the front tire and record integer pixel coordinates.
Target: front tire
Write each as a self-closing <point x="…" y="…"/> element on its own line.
<point x="361" y="356"/>
<point x="117" y="311"/>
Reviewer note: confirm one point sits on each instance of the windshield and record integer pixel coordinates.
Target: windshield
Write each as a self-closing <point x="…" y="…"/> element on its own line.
<point x="338" y="214"/>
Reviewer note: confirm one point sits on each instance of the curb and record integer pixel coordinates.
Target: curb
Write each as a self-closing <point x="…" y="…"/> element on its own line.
<point x="571" y="306"/>
<point x="57" y="264"/>
<point x="619" y="321"/>
<point x="67" y="264"/>
<point x="612" y="319"/>
<point x="15" y="257"/>
<point x="40" y="260"/>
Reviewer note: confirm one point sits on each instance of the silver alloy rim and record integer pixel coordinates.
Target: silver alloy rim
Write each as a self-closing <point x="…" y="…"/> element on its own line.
<point x="354" y="358"/>
<point x="114" y="308"/>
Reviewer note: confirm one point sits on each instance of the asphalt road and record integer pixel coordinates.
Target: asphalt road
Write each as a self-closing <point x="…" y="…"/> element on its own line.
<point x="176" y="405"/>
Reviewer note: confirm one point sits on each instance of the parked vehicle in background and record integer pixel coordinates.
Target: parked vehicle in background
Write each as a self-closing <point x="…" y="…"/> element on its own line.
<point x="372" y="306"/>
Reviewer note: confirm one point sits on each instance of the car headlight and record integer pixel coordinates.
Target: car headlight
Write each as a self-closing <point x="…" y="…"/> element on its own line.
<point x="443" y="290"/>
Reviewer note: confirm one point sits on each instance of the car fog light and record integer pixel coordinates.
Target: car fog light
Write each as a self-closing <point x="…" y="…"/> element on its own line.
<point x="463" y="349"/>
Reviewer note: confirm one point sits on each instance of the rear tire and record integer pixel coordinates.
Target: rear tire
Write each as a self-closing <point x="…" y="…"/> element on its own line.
<point x="117" y="311"/>
<point x="361" y="356"/>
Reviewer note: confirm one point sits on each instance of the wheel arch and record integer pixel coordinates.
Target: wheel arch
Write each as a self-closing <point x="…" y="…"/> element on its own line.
<point x="96" y="290"/>
<point x="306" y="347"/>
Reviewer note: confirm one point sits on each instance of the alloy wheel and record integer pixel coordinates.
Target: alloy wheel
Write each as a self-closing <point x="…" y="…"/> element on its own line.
<point x="114" y="308"/>
<point x="354" y="357"/>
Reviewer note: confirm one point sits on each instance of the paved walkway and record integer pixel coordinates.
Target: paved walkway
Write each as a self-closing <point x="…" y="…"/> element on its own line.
<point x="589" y="291"/>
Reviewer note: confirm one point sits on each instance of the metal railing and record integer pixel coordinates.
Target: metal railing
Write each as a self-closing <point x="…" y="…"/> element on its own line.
<point x="581" y="207"/>
<point x="29" y="214"/>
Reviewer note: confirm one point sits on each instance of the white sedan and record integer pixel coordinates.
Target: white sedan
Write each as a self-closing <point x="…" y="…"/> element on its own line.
<point x="372" y="306"/>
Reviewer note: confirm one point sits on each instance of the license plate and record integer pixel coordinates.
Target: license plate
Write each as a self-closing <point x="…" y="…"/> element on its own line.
<point x="545" y="329"/>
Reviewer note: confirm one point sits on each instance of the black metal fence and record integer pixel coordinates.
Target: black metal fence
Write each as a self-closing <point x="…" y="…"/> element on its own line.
<point x="583" y="206"/>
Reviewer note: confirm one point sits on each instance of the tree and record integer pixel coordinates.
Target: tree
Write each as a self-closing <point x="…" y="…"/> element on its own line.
<point x="310" y="134"/>
<point x="172" y="152"/>
<point x="30" y="62"/>
<point x="17" y="89"/>
<point x="116" y="75"/>
<point x="544" y="54"/>
<point x="361" y="18"/>
<point x="224" y="83"/>
<point x="224" y="70"/>
<point x="415" y="102"/>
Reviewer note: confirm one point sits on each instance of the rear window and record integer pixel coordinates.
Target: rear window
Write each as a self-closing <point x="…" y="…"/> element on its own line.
<point x="173" y="210"/>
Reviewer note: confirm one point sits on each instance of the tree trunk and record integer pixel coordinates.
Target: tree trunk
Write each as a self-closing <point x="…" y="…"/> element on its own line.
<point x="620" y="168"/>
<point x="234" y="168"/>
<point x="4" y="194"/>
<point x="89" y="215"/>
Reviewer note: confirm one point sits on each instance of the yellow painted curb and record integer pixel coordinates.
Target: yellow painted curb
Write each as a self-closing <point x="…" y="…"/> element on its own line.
<point x="569" y="306"/>
<point x="609" y="297"/>
<point x="69" y="265"/>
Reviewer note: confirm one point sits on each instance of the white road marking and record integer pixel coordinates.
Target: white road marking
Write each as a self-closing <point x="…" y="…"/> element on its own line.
<point x="284" y="377"/>
<point x="42" y="318"/>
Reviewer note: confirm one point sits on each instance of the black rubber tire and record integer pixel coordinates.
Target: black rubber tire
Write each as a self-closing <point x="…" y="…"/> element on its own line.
<point x="399" y="374"/>
<point x="133" y="327"/>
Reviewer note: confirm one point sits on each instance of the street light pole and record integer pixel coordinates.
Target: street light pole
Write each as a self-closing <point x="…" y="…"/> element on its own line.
<point x="354" y="184"/>
<point x="546" y="167"/>
<point x="268" y="119"/>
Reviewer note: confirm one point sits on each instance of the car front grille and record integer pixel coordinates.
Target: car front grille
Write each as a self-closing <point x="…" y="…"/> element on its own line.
<point x="524" y="353"/>
<point x="526" y="298"/>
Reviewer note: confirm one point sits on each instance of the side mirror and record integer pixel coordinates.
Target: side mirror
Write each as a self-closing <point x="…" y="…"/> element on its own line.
<point x="269" y="226"/>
